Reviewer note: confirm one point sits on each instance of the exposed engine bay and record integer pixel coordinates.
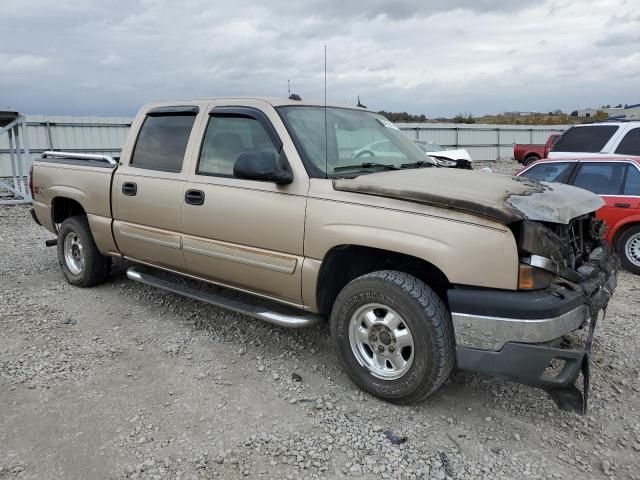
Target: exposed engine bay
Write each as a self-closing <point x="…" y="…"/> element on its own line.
<point x="574" y="255"/>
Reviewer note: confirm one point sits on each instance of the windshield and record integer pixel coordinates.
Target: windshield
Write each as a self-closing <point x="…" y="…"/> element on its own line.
<point x="429" y="146"/>
<point x="356" y="142"/>
<point x="550" y="172"/>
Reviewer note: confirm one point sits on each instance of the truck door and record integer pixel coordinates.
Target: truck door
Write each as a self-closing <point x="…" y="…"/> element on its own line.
<point x="148" y="188"/>
<point x="242" y="233"/>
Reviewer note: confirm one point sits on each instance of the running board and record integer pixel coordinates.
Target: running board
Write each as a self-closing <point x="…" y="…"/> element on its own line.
<point x="255" y="310"/>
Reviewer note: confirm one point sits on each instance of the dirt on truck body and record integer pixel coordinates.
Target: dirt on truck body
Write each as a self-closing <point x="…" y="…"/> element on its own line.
<point x="502" y="198"/>
<point x="418" y="269"/>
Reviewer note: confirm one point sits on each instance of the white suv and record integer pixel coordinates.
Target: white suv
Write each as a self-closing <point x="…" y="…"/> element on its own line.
<point x="596" y="139"/>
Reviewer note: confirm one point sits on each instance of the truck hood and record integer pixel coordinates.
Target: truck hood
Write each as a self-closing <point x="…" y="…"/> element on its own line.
<point x="500" y="197"/>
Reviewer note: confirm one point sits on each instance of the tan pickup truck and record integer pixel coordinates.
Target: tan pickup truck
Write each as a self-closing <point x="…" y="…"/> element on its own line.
<point x="418" y="269"/>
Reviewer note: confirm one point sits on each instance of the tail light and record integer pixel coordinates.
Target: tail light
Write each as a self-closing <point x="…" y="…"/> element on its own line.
<point x="31" y="181"/>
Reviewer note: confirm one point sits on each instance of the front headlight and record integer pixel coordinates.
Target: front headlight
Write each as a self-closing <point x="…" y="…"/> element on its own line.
<point x="545" y="248"/>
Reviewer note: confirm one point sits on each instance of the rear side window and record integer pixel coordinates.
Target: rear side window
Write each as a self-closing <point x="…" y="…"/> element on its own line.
<point x="632" y="184"/>
<point x="550" y="172"/>
<point x="601" y="178"/>
<point x="585" y="139"/>
<point x="630" y="144"/>
<point x="162" y="142"/>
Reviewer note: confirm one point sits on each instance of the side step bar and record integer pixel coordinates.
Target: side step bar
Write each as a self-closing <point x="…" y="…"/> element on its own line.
<point x="294" y="320"/>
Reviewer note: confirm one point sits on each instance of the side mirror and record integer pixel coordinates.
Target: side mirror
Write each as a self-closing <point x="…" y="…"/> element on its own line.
<point x="262" y="166"/>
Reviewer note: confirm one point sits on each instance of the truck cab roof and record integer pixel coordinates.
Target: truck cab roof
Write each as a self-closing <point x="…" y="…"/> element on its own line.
<point x="273" y="101"/>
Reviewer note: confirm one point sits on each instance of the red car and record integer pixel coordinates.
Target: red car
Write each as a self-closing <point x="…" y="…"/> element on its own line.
<point x="617" y="181"/>
<point x="526" y="154"/>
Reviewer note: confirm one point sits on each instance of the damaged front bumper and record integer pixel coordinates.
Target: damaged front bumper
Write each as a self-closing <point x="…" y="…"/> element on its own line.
<point x="529" y="364"/>
<point x="517" y="335"/>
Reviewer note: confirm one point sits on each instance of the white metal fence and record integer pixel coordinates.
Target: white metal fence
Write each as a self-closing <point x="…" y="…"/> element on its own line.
<point x="483" y="141"/>
<point x="104" y="135"/>
<point x="13" y="129"/>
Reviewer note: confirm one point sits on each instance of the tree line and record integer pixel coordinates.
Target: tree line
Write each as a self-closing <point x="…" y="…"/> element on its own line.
<point x="555" y="117"/>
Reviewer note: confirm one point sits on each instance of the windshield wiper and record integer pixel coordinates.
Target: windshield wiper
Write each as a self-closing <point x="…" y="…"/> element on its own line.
<point x="366" y="165"/>
<point x="418" y="164"/>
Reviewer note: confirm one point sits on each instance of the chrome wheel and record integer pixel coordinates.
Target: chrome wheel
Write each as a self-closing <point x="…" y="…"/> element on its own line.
<point x="632" y="249"/>
<point x="381" y="341"/>
<point x="73" y="253"/>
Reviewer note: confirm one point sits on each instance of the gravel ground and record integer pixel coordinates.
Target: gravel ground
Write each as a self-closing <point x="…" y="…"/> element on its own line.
<point x="124" y="381"/>
<point x="503" y="165"/>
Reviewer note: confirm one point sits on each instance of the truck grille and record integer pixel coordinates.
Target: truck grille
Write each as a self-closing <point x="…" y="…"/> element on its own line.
<point x="580" y="238"/>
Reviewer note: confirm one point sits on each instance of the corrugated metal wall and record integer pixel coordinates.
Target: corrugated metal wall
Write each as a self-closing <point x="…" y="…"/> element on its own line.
<point x="77" y="134"/>
<point x="484" y="142"/>
<point x="107" y="135"/>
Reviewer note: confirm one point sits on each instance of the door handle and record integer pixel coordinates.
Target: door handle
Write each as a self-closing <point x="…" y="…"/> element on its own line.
<point x="194" y="197"/>
<point x="129" y="188"/>
<point x="622" y="205"/>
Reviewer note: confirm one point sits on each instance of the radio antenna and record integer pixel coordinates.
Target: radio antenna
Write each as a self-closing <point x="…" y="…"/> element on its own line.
<point x="326" y="128"/>
<point x="289" y="87"/>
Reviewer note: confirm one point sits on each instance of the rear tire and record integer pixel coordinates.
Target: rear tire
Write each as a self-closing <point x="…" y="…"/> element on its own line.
<point x="628" y="248"/>
<point x="530" y="159"/>
<point x="393" y="335"/>
<point x="81" y="262"/>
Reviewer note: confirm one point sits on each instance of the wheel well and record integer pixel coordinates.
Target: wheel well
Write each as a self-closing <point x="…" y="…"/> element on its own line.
<point x="620" y="231"/>
<point x="345" y="263"/>
<point x="63" y="208"/>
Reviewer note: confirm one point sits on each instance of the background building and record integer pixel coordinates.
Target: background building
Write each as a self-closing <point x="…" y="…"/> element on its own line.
<point x="628" y="112"/>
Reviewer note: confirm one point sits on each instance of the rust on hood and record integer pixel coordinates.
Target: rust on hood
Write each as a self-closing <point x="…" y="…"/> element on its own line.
<point x="503" y="198"/>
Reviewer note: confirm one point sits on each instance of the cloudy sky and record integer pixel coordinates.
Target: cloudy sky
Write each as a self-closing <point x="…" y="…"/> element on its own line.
<point x="438" y="57"/>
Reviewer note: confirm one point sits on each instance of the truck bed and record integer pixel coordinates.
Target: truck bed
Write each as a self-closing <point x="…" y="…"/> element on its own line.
<point x="83" y="178"/>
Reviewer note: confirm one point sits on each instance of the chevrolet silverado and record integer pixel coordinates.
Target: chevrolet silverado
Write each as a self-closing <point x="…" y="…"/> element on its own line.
<point x="418" y="269"/>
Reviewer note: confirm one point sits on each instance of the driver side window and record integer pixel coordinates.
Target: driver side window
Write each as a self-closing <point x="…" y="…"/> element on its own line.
<point x="226" y="137"/>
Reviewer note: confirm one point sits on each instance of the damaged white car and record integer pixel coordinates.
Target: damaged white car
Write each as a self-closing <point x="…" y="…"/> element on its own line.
<point x="458" y="158"/>
<point x="442" y="157"/>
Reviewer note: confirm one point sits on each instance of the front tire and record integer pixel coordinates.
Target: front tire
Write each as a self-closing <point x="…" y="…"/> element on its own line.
<point x="80" y="260"/>
<point x="530" y="159"/>
<point x="393" y="335"/>
<point x="628" y="248"/>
